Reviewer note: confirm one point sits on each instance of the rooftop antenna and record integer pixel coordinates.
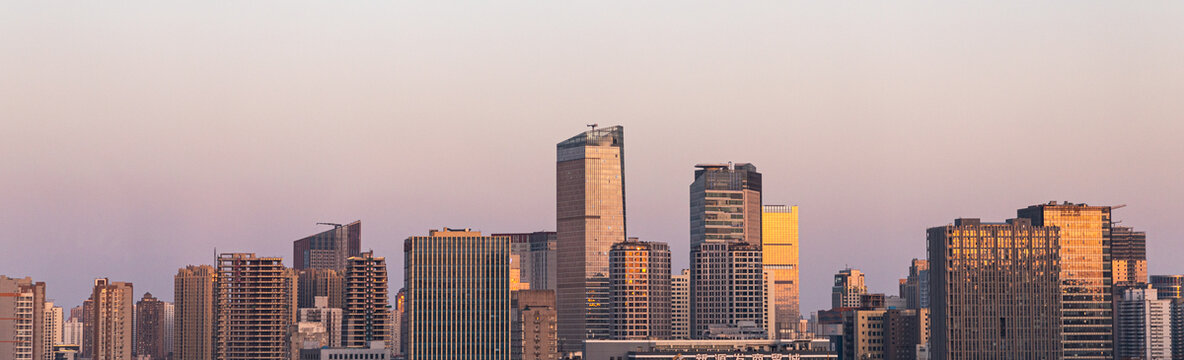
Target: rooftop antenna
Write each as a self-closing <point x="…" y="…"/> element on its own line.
<point x="593" y="126"/>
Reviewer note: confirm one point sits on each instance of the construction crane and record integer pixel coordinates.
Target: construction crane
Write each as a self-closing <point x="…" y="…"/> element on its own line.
<point x="593" y="126"/>
<point x="331" y="224"/>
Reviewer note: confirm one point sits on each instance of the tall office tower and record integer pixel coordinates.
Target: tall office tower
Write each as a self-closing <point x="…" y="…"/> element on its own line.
<point x="312" y="283"/>
<point x="169" y="310"/>
<point x="537" y="254"/>
<point x="458" y="284"/>
<point x="52" y="328"/>
<point x="995" y="290"/>
<point x="150" y="328"/>
<point x="779" y="244"/>
<point x="1086" y="277"/>
<point x="367" y="305"/>
<point x="915" y="288"/>
<point x="590" y="218"/>
<point x="726" y="204"/>
<point x="22" y="315"/>
<point x="72" y="332"/>
<point x="848" y="289"/>
<point x="193" y="318"/>
<point x="399" y="324"/>
<point x="680" y="305"/>
<point x="727" y="291"/>
<point x="640" y="278"/>
<point x="111" y="318"/>
<point x="254" y="305"/>
<point x="1145" y="326"/>
<point x="1128" y="256"/>
<point x="534" y="319"/>
<point x="329" y="318"/>
<point x="330" y="249"/>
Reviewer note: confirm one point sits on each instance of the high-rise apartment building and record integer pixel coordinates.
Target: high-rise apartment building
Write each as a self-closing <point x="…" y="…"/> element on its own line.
<point x="312" y="283"/>
<point x="330" y="249"/>
<point x="169" y="311"/>
<point x="726" y="204"/>
<point x="367" y="305"/>
<point x="254" y="306"/>
<point x="779" y="245"/>
<point x="193" y="312"/>
<point x="1086" y="277"/>
<point x="640" y="295"/>
<point x="150" y="328"/>
<point x="329" y="318"/>
<point x="590" y="218"/>
<point x="537" y="256"/>
<point x="535" y="334"/>
<point x="1128" y="256"/>
<point x="1145" y="329"/>
<point x="111" y="318"/>
<point x="848" y="289"/>
<point x="680" y="305"/>
<point x="995" y="291"/>
<point x="1171" y="287"/>
<point x="727" y="291"/>
<point x="915" y="288"/>
<point x="457" y="285"/>
<point x="51" y="327"/>
<point x="22" y="315"/>
<point x="72" y="332"/>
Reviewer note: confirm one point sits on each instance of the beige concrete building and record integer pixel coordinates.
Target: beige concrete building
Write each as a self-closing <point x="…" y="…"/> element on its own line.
<point x="996" y="290"/>
<point x="457" y="285"/>
<point x="254" y="306"/>
<point x="848" y="289"/>
<point x="779" y="246"/>
<point x="193" y="313"/>
<point x="52" y="329"/>
<point x="111" y="317"/>
<point x="367" y="306"/>
<point x="590" y="218"/>
<point x="535" y="332"/>
<point x="680" y="305"/>
<point x="1086" y="275"/>
<point x="640" y="290"/>
<point x="22" y="315"/>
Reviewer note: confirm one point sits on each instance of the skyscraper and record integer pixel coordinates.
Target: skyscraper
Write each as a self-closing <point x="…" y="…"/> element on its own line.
<point x="537" y="255"/>
<point x="590" y="218"/>
<point x="1128" y="256"/>
<point x="848" y="289"/>
<point x="779" y="246"/>
<point x="312" y="283"/>
<point x="150" y="328"/>
<point x="51" y="328"/>
<point x="1086" y="277"/>
<point x="727" y="291"/>
<point x="726" y="204"/>
<point x="169" y="311"/>
<point x="329" y="249"/>
<point x="22" y="310"/>
<point x="640" y="278"/>
<point x="193" y="314"/>
<point x="1145" y="330"/>
<point x="457" y="285"/>
<point x="995" y="291"/>
<point x="367" y="305"/>
<point x="111" y="319"/>
<point x="915" y="288"/>
<point x="680" y="305"/>
<point x="254" y="306"/>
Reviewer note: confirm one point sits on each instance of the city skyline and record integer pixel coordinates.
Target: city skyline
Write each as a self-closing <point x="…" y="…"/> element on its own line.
<point x="176" y="153"/>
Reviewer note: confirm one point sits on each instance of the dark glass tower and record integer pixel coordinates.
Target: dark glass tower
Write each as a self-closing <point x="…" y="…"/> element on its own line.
<point x="329" y="249"/>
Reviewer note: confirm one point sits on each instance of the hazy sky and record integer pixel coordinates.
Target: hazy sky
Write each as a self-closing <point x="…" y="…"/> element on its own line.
<point x="135" y="137"/>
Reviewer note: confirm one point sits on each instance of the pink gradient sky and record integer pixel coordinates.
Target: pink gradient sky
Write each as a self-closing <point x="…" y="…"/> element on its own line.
<point x="135" y="137"/>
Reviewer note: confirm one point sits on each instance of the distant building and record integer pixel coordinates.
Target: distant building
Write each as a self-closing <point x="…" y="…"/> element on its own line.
<point x="537" y="253"/>
<point x="150" y="328"/>
<point x="710" y="349"/>
<point x="193" y="313"/>
<point x="727" y="292"/>
<point x="376" y="351"/>
<point x="254" y="298"/>
<point x="311" y="335"/>
<point x="995" y="290"/>
<point x="457" y="284"/>
<point x="312" y="283"/>
<point x="779" y="245"/>
<point x="534" y="329"/>
<point x="905" y="331"/>
<point x="329" y="318"/>
<point x="1145" y="330"/>
<point x="1168" y="286"/>
<point x="169" y="320"/>
<point x="72" y="332"/>
<point x="367" y="305"/>
<point x="330" y="249"/>
<point x="111" y="332"/>
<point x="399" y="324"/>
<point x="590" y="218"/>
<point x="1084" y="247"/>
<point x="52" y="328"/>
<point x="915" y="288"/>
<point x="849" y="287"/>
<point x="1128" y="256"/>
<point x="640" y="289"/>
<point x="22" y="309"/>
<point x="680" y="305"/>
<point x="726" y="204"/>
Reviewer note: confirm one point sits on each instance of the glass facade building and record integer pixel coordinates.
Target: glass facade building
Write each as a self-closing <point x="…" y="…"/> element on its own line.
<point x="726" y="204"/>
<point x="640" y="278"/>
<point x="590" y="218"/>
<point x="779" y="246"/>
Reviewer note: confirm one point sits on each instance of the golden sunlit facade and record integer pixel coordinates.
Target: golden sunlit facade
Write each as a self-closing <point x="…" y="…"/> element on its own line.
<point x="640" y="276"/>
<point x="1086" y="275"/>
<point x="779" y="246"/>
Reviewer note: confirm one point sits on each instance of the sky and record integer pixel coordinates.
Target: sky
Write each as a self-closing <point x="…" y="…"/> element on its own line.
<point x="139" y="137"/>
